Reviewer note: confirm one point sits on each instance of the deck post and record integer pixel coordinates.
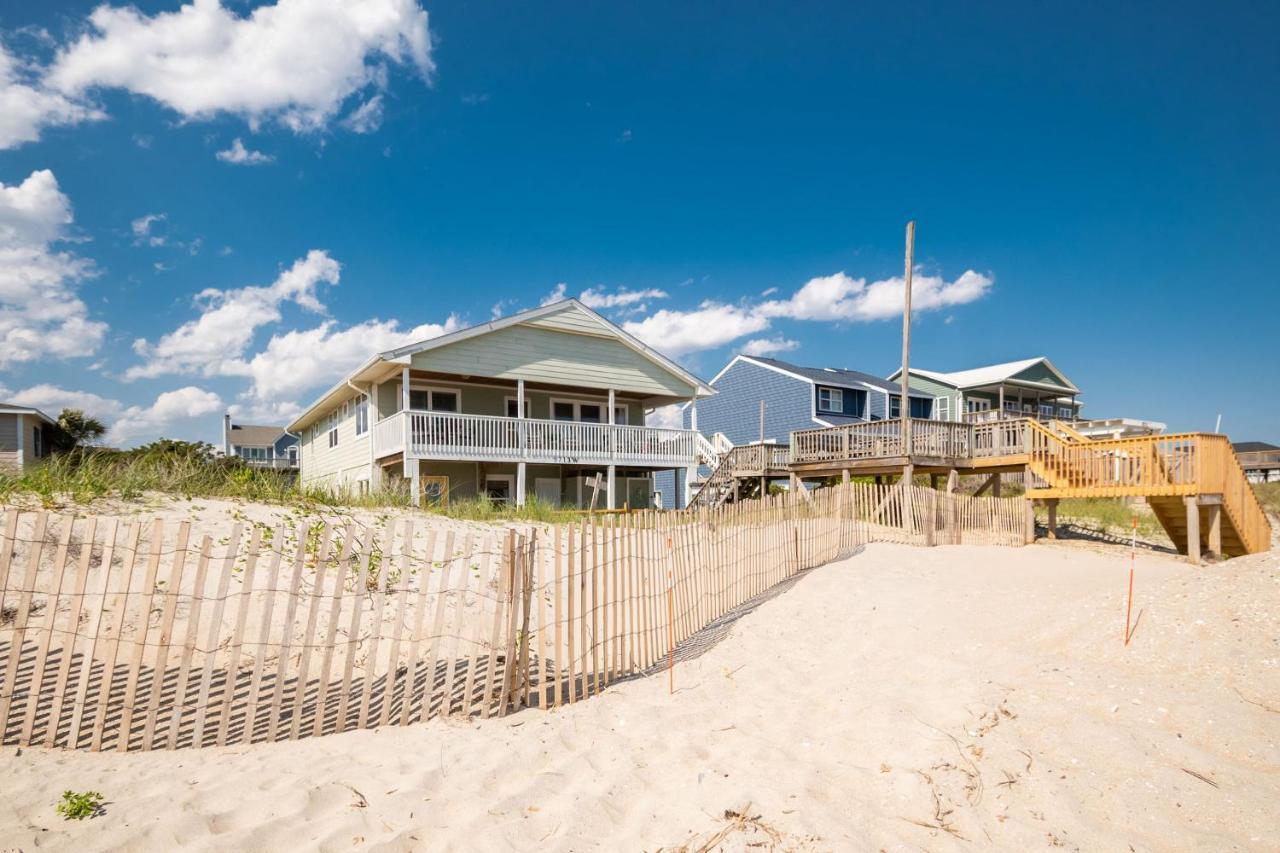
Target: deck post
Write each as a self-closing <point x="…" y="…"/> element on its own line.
<point x="404" y="389"/>
<point x="1052" y="505"/>
<point x="953" y="481"/>
<point x="610" y="487"/>
<point x="996" y="479"/>
<point x="1193" y="528"/>
<point x="1029" y="520"/>
<point x="908" y="475"/>
<point x="1214" y="511"/>
<point x="933" y="481"/>
<point x="522" y="473"/>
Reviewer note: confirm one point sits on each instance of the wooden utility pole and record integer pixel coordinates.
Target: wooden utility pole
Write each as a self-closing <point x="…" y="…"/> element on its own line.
<point x="904" y="405"/>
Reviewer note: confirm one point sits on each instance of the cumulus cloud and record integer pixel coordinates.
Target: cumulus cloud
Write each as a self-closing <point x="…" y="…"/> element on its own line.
<point x="126" y="424"/>
<point x="296" y="61"/>
<point x="27" y="106"/>
<point x="666" y="416"/>
<point x="41" y="313"/>
<point x="833" y="298"/>
<point x="296" y="361"/>
<point x="141" y="228"/>
<point x="710" y="325"/>
<point x="769" y="346"/>
<point x="214" y="343"/>
<point x="238" y="155"/>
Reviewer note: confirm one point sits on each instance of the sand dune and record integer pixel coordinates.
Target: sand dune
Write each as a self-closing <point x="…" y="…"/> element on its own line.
<point x="904" y="699"/>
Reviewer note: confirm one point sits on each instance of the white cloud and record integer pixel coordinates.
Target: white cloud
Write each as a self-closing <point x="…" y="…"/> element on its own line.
<point x="41" y="313"/>
<point x="839" y="297"/>
<point x="557" y="293"/>
<point x="238" y="155"/>
<point x="297" y="361"/>
<point x="711" y="325"/>
<point x="26" y="106"/>
<point x="125" y="424"/>
<point x="296" y="61"/>
<point x="666" y="416"/>
<point x="365" y="118"/>
<point x="601" y="298"/>
<point x="833" y="298"/>
<point x="142" y="424"/>
<point x="213" y="344"/>
<point x="768" y="346"/>
<point x="142" y="229"/>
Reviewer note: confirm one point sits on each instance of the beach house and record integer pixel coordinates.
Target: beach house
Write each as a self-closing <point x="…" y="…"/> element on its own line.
<point x="549" y="402"/>
<point x="1030" y="388"/>
<point x="260" y="446"/>
<point x="25" y="436"/>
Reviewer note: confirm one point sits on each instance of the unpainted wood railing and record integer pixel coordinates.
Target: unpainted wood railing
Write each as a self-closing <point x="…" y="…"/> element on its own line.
<point x="881" y="439"/>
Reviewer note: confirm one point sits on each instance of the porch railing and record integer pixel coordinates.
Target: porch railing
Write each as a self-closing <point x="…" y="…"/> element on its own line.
<point x="880" y="439"/>
<point x="452" y="436"/>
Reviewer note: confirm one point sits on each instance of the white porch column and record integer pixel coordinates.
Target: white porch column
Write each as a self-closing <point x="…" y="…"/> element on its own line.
<point x="612" y="421"/>
<point x="522" y="473"/>
<point x="693" y="414"/>
<point x="411" y="471"/>
<point x="404" y="390"/>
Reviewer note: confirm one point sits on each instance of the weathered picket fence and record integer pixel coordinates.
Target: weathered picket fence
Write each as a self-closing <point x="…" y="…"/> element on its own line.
<point x="130" y="635"/>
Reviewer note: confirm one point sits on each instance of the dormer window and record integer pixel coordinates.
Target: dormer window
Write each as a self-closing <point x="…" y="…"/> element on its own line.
<point x="830" y="400"/>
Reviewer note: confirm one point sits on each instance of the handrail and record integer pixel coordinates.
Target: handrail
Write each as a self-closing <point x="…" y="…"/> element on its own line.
<point x="881" y="439"/>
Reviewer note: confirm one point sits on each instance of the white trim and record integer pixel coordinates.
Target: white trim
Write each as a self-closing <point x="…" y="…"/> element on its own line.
<point x="511" y="398"/>
<point x="431" y="391"/>
<point x="835" y="395"/>
<point x="6" y="409"/>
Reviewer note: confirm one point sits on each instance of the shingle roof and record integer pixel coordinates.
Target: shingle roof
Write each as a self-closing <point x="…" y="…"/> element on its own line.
<point x="1253" y="447"/>
<point x="247" y="435"/>
<point x="834" y="376"/>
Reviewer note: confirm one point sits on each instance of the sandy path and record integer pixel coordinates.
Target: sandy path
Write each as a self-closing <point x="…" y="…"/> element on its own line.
<point x="981" y="689"/>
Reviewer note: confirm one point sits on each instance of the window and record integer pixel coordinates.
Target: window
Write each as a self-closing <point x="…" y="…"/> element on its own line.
<point x="293" y="453"/>
<point x="942" y="408"/>
<point x="362" y="416"/>
<point x="921" y="408"/>
<point x="511" y="408"/>
<point x="591" y="413"/>
<point x="1046" y="410"/>
<point x="333" y="429"/>
<point x="895" y="407"/>
<point x="563" y="411"/>
<point x="1065" y="412"/>
<point x="977" y="404"/>
<point x="435" y="400"/>
<point x="37" y="443"/>
<point x="1011" y="406"/>
<point x="830" y="400"/>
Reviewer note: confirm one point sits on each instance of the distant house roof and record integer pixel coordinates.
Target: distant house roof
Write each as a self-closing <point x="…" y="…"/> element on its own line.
<point x="992" y="374"/>
<point x="248" y="435"/>
<point x="831" y="375"/>
<point x="1253" y="447"/>
<point x="12" y="409"/>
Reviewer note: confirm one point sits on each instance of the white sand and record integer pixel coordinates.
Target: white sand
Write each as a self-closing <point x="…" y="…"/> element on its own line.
<point x="984" y="689"/>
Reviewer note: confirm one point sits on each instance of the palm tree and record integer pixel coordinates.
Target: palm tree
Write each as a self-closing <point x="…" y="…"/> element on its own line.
<point x="76" y="429"/>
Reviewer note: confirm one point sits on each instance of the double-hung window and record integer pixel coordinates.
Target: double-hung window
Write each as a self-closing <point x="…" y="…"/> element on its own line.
<point x="434" y="400"/>
<point x="362" y="415"/>
<point x="895" y="407"/>
<point x="830" y="400"/>
<point x="333" y="429"/>
<point x="585" y="412"/>
<point x="1065" y="412"/>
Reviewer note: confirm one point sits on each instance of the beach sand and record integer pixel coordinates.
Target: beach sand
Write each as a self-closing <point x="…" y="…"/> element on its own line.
<point x="952" y="698"/>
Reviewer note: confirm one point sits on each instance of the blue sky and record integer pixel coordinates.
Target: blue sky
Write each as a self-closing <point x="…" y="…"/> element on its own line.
<point x="1097" y="184"/>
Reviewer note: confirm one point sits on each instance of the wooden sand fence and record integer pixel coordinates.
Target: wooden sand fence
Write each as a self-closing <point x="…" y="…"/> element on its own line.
<point x="129" y="634"/>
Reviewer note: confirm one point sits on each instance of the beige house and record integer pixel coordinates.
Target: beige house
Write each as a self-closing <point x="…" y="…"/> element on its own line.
<point x="538" y="403"/>
<point x="25" y="435"/>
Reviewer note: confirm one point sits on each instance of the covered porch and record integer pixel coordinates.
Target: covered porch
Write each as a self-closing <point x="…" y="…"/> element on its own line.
<point x="1018" y="399"/>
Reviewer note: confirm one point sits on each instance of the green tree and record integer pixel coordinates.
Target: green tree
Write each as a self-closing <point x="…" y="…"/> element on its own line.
<point x="76" y="429"/>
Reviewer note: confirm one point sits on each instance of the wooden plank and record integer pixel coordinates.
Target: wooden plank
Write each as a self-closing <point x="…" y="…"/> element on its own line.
<point x="526" y="610"/>
<point x="264" y="632"/>
<point x="140" y="636"/>
<point x="59" y="570"/>
<point x="74" y="615"/>
<point x="160" y="661"/>
<point x="286" y="638"/>
<point x="454" y="636"/>
<point x="571" y="612"/>
<point x="341" y="571"/>
<point x="557" y="613"/>
<point x="514" y="592"/>
<point x="119" y="609"/>
<point x="353" y="635"/>
<point x="437" y="626"/>
<point x="8" y="545"/>
<point x="309" y="633"/>
<point x="546" y="652"/>
<point x="375" y="640"/>
<point x="420" y="613"/>
<point x="472" y="676"/>
<point x="189" y="642"/>
<point x="80" y="705"/>
<point x="505" y="563"/>
<point x="400" y="610"/>
<point x="214" y="637"/>
<point x="232" y="667"/>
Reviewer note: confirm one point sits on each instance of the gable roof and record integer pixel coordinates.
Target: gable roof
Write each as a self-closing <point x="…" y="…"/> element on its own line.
<point x="591" y="324"/>
<point x="992" y="374"/>
<point x="249" y="435"/>
<point x="839" y="377"/>
<point x="12" y="409"/>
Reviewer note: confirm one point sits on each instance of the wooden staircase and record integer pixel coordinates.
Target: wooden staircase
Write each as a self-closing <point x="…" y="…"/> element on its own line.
<point x="1173" y="472"/>
<point x="733" y="477"/>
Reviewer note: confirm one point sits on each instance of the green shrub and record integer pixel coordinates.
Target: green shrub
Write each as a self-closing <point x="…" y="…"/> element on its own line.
<point x="77" y="806"/>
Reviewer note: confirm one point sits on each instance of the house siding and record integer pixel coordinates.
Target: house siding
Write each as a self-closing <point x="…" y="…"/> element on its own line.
<point x="335" y="467"/>
<point x="9" y="458"/>
<point x="1041" y="373"/>
<point x="853" y="402"/>
<point x="545" y="355"/>
<point x="735" y="408"/>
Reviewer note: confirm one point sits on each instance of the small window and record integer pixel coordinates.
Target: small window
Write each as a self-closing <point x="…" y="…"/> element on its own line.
<point x="419" y="400"/>
<point x="895" y="407"/>
<point x="333" y="430"/>
<point x="293" y="453"/>
<point x="1064" y="412"/>
<point x="591" y="413"/>
<point x="830" y="400"/>
<point x="511" y="408"/>
<point x="562" y="411"/>
<point x="1046" y="410"/>
<point x="619" y="414"/>
<point x="362" y="416"/>
<point x="444" y="401"/>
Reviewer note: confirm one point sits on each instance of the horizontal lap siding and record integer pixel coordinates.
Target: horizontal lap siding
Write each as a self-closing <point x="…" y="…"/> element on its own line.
<point x="545" y="355"/>
<point x="335" y="466"/>
<point x="735" y="408"/>
<point x="9" y="442"/>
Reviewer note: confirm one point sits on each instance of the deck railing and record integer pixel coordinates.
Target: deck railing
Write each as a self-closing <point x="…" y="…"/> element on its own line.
<point x="881" y="439"/>
<point x="452" y="436"/>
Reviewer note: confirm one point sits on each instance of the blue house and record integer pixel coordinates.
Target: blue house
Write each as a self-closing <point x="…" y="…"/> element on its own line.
<point x="794" y="398"/>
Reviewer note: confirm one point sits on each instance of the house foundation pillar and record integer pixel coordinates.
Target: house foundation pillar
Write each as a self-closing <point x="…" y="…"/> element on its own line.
<point x="411" y="471"/>
<point x="521" y="482"/>
<point x="1029" y="521"/>
<point x="1052" y="506"/>
<point x="1214" y="511"/>
<point x="1193" y="528"/>
<point x="611" y="492"/>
